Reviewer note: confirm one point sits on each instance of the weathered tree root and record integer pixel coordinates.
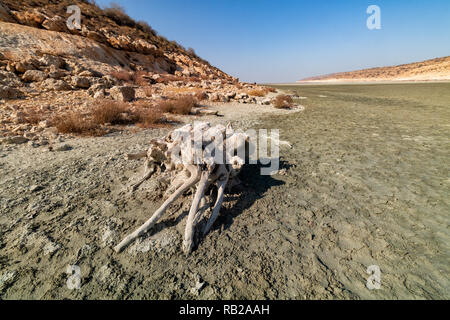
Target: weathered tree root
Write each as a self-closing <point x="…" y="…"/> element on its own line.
<point x="176" y="155"/>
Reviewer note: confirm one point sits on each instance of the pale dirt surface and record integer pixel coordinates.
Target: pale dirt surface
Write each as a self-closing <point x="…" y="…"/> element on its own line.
<point x="69" y="208"/>
<point x="366" y="183"/>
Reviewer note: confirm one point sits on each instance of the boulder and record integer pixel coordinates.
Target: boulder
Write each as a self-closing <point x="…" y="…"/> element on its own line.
<point x="55" y="85"/>
<point x="55" y="24"/>
<point x="34" y="76"/>
<point x="81" y="82"/>
<point x="108" y="81"/>
<point x="96" y="36"/>
<point x="14" y="140"/>
<point x="55" y="61"/>
<point x="9" y="79"/>
<point x="122" y="93"/>
<point x="57" y="73"/>
<point x="86" y="73"/>
<point x="99" y="95"/>
<point x="214" y="96"/>
<point x="32" y="17"/>
<point x="266" y="101"/>
<point x="9" y="93"/>
<point x="98" y="87"/>
<point x="24" y="66"/>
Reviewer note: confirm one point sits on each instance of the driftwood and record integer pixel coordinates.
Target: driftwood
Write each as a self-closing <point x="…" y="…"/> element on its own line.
<point x="202" y="156"/>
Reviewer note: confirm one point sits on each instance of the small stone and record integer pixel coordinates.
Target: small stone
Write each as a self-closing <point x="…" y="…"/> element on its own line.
<point x="198" y="288"/>
<point x="81" y="82"/>
<point x="51" y="248"/>
<point x="64" y="147"/>
<point x="99" y="94"/>
<point x="7" y="278"/>
<point x="44" y="124"/>
<point x="36" y="188"/>
<point x="15" y="140"/>
<point x="34" y="76"/>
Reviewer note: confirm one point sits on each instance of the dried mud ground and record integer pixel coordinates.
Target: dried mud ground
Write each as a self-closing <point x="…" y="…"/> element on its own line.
<point x="366" y="183"/>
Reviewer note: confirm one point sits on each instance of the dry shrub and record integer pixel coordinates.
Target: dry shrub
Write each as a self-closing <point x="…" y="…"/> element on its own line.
<point x="31" y="117"/>
<point x="194" y="79"/>
<point x="283" y="101"/>
<point x="113" y="112"/>
<point x="75" y="123"/>
<point x="148" y="91"/>
<point x="144" y="26"/>
<point x="257" y="93"/>
<point x="175" y="91"/>
<point x="117" y="13"/>
<point x="139" y="78"/>
<point x="181" y="105"/>
<point x="122" y="75"/>
<point x="150" y="117"/>
<point x="166" y="78"/>
<point x="201" y="96"/>
<point x="270" y="89"/>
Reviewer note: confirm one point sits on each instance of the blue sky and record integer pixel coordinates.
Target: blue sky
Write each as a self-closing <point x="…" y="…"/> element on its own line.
<point x="287" y="40"/>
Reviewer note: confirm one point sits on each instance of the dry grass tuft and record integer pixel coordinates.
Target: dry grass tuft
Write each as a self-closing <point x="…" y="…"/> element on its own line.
<point x="113" y="112"/>
<point x="283" y="102"/>
<point x="257" y="93"/>
<point x="181" y="105"/>
<point x="150" y="118"/>
<point x="117" y="13"/>
<point x="148" y="91"/>
<point x="139" y="78"/>
<point x="76" y="123"/>
<point x="32" y="117"/>
<point x="167" y="78"/>
<point x="122" y="75"/>
<point x="201" y="96"/>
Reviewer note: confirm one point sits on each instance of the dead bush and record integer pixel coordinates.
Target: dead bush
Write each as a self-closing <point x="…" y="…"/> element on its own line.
<point x="181" y="105"/>
<point x="148" y="91"/>
<point x="144" y="26"/>
<point x="113" y="112"/>
<point x="201" y="96"/>
<point x="76" y="123"/>
<point x="150" y="117"/>
<point x="194" y="79"/>
<point x="257" y="93"/>
<point x="122" y="75"/>
<point x="31" y="117"/>
<point x="140" y="78"/>
<point x="117" y="13"/>
<point x="166" y="78"/>
<point x="283" y="101"/>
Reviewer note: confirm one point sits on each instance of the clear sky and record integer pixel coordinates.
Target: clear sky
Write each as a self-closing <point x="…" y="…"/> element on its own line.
<point x="287" y="40"/>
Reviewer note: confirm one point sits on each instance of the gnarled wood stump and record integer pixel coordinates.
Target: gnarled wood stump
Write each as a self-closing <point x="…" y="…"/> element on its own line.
<point x="201" y="156"/>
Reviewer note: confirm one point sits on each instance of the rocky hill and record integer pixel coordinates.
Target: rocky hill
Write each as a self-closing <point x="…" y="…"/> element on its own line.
<point x="49" y="74"/>
<point x="430" y="70"/>
<point x="106" y="36"/>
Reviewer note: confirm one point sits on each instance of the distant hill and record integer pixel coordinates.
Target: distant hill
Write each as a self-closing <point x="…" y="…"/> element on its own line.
<point x="429" y="70"/>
